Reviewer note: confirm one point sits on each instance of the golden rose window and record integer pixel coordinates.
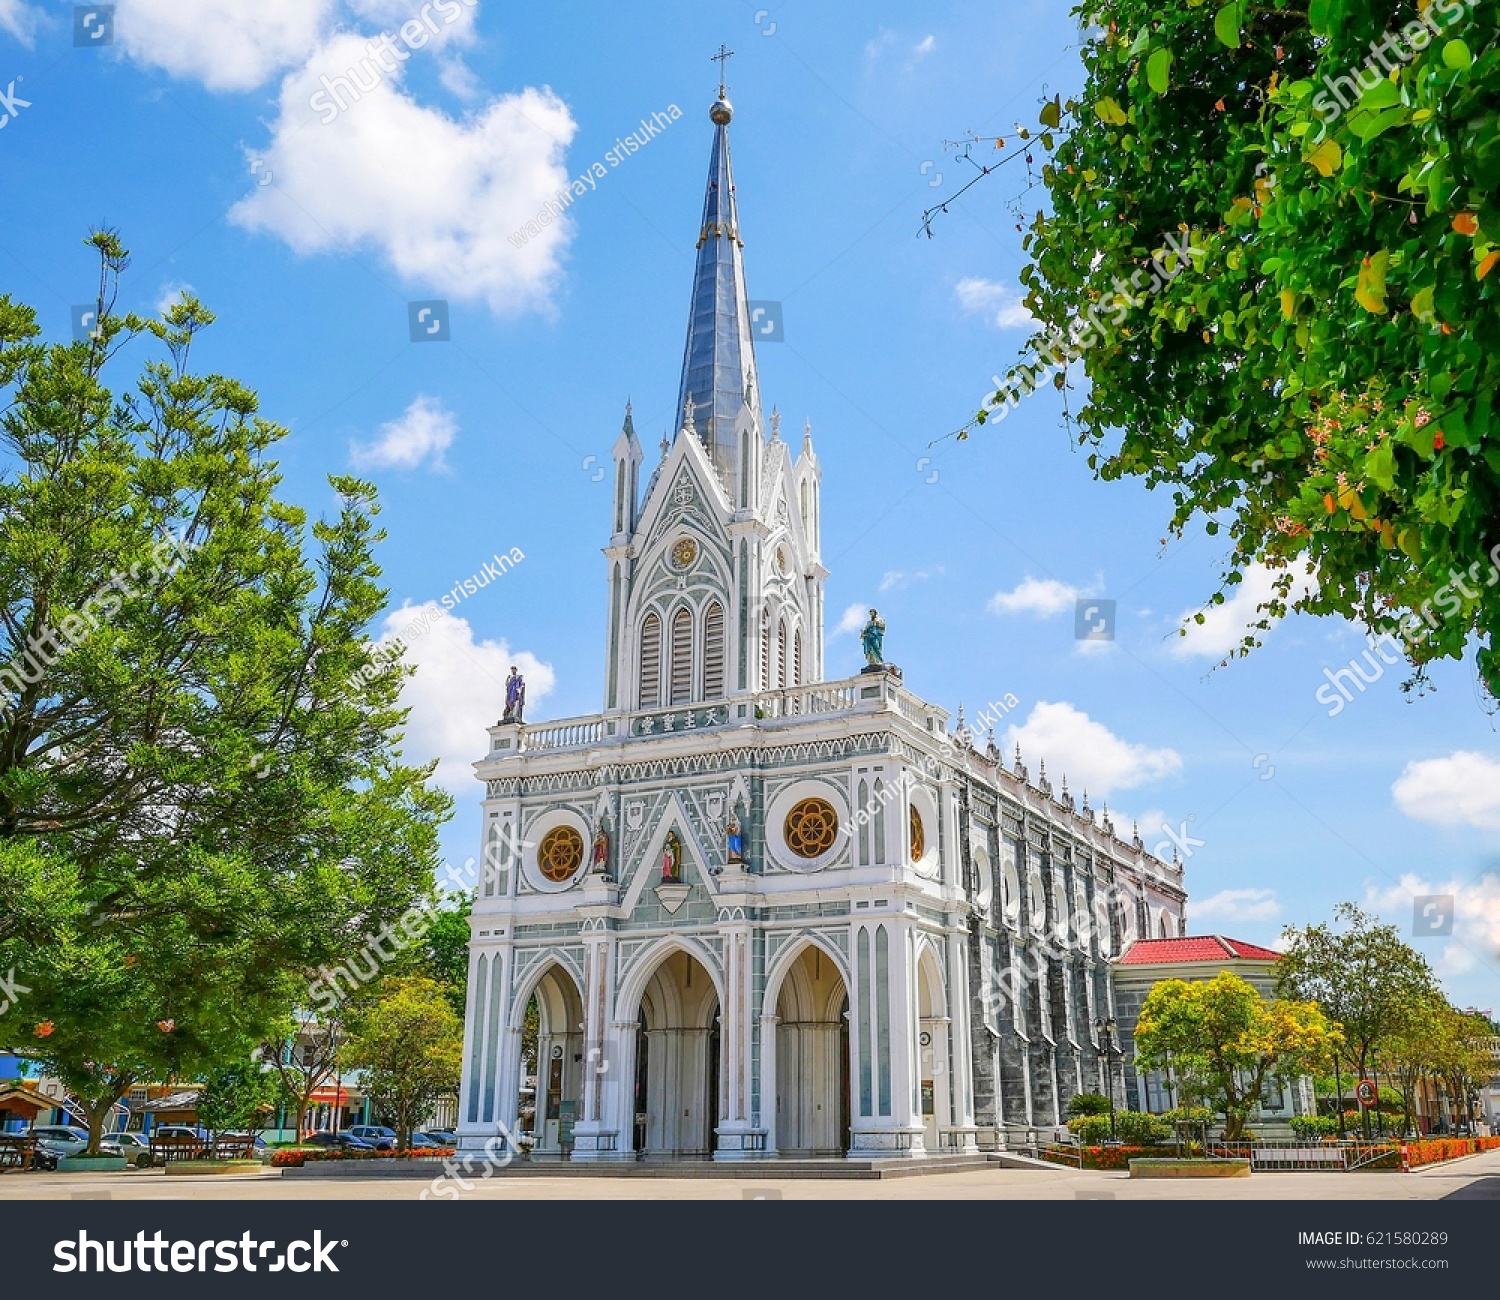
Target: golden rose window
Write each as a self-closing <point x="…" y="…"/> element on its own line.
<point x="811" y="828"/>
<point x="561" y="853"/>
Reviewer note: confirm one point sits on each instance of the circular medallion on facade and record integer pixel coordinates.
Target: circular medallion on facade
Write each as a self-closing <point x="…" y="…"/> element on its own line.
<point x="560" y="854"/>
<point x="918" y="835"/>
<point x="811" y="828"/>
<point x="684" y="552"/>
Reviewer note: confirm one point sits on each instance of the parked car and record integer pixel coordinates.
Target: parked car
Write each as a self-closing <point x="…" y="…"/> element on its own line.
<point x="377" y="1135"/>
<point x="68" y="1139"/>
<point x="444" y="1137"/>
<point x="45" y="1156"/>
<point x="135" y="1147"/>
<point x="345" y="1140"/>
<point x="180" y="1131"/>
<point x="424" y="1140"/>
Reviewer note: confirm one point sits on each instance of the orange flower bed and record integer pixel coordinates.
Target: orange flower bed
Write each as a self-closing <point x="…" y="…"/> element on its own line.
<point x="1434" y="1150"/>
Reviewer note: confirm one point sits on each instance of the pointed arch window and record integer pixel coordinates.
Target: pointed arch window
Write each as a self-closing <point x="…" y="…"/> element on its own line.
<point x="682" y="656"/>
<point x="713" y="652"/>
<point x="864" y="823"/>
<point x="765" y="650"/>
<point x="781" y="654"/>
<point x="797" y="657"/>
<point x="650" y="662"/>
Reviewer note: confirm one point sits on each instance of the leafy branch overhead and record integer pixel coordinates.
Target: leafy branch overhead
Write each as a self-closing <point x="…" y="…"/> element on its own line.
<point x="1323" y="386"/>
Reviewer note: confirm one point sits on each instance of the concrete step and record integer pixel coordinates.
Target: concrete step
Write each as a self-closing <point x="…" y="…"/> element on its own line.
<point x="739" y="1170"/>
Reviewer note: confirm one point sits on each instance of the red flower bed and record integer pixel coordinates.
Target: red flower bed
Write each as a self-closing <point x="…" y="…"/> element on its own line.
<point x="1100" y="1157"/>
<point x="294" y="1158"/>
<point x="1434" y="1150"/>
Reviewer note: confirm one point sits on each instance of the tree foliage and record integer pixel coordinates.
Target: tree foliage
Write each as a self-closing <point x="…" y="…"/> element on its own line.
<point x="1315" y="368"/>
<point x="195" y="808"/>
<point x="235" y="1098"/>
<point x="1225" y="1041"/>
<point x="409" y="1044"/>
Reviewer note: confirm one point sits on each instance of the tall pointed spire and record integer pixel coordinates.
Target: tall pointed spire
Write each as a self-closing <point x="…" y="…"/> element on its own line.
<point x="718" y="364"/>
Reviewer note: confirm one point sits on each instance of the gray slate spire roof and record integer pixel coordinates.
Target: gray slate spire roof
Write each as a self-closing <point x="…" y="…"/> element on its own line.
<point x="718" y="364"/>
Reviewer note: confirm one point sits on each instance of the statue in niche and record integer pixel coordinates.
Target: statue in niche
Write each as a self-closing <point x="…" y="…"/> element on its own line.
<point x="515" y="697"/>
<point x="671" y="860"/>
<point x="600" y="856"/>
<point x="872" y="639"/>
<point x="734" y="841"/>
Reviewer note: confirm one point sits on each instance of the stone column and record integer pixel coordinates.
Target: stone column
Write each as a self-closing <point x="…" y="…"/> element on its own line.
<point x="887" y="1120"/>
<point x="738" y="1138"/>
<point x="599" y="1135"/>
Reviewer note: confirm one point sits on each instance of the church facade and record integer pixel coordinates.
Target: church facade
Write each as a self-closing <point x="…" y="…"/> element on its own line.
<point x="759" y="913"/>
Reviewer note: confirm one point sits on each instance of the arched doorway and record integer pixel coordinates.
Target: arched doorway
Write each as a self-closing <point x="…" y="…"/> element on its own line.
<point x="812" y="1058"/>
<point x="551" y="1092"/>
<point x="932" y="1043"/>
<point x="677" y="1061"/>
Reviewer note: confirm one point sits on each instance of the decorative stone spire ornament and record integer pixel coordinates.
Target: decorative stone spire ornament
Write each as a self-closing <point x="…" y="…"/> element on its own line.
<point x="1067" y="799"/>
<point x="1042" y="784"/>
<point x="806" y="436"/>
<point x="1020" y="767"/>
<point x="1109" y="826"/>
<point x="775" y="425"/>
<point x="1085" y="810"/>
<point x="690" y="416"/>
<point x="991" y="750"/>
<point x="1135" y="836"/>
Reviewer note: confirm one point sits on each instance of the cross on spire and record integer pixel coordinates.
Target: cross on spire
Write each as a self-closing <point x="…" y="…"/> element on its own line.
<point x="721" y="58"/>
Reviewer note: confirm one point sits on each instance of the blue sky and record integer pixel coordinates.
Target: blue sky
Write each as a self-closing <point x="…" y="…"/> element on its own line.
<point x="191" y="130"/>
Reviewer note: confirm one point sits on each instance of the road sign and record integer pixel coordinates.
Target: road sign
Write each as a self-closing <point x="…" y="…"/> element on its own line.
<point x="1366" y="1093"/>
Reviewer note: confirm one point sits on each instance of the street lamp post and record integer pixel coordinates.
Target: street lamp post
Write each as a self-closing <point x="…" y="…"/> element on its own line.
<point x="1105" y="1029"/>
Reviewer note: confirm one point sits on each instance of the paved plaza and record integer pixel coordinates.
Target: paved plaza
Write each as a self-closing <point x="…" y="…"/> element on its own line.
<point x="1477" y="1177"/>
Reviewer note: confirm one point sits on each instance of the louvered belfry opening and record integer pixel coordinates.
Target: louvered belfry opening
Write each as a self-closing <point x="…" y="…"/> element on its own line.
<point x="682" y="657"/>
<point x="650" y="662"/>
<point x="713" y="652"/>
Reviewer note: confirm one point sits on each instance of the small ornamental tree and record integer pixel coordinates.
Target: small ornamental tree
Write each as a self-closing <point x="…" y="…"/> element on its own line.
<point x="1272" y="245"/>
<point x="409" y="1043"/>
<point x="236" y="1098"/>
<point x="1087" y="1103"/>
<point x="1227" y="1041"/>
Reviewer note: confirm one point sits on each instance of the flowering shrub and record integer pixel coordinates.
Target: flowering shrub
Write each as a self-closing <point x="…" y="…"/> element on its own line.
<point x="297" y="1157"/>
<point x="1436" y="1149"/>
<point x="1098" y="1157"/>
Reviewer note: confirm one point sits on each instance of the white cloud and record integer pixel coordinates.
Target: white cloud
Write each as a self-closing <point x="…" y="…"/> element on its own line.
<point x="1091" y="756"/>
<point x="981" y="297"/>
<point x="1041" y="597"/>
<point x="423" y="433"/>
<point x="172" y="292"/>
<point x="853" y="620"/>
<point x="1224" y="626"/>
<point x="232" y="45"/>
<point x="1461" y="789"/>
<point x="925" y="46"/>
<point x="19" y="20"/>
<point x="225" y="44"/>
<point x="1475" y="912"/>
<point x="898" y="580"/>
<point x="1237" y="905"/>
<point x="457" y="691"/>
<point x="434" y="195"/>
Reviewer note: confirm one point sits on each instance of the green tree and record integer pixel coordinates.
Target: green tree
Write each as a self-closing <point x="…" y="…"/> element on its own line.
<point x="1226" y="1041"/>
<point x="1283" y="295"/>
<point x="409" y="1044"/>
<point x="197" y="808"/>
<point x="1364" y="976"/>
<point x="236" y="1098"/>
<point x="1087" y="1103"/>
<point x="304" y="1055"/>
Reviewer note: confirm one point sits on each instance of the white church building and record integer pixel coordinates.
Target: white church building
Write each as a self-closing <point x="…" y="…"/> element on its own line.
<point x="760" y="913"/>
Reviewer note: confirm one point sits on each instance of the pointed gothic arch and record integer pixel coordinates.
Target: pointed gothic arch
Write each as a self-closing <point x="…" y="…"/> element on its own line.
<point x="649" y="696"/>
<point x="713" y="651"/>
<point x="681" y="672"/>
